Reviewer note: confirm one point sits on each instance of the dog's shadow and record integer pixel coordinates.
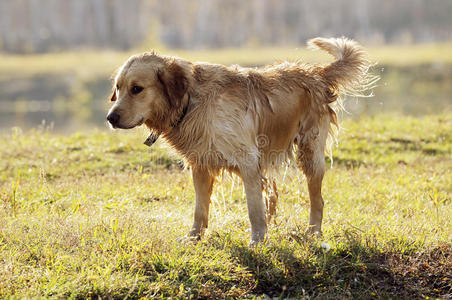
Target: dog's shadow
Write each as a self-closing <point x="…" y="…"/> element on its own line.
<point x="276" y="269"/>
<point x="306" y="268"/>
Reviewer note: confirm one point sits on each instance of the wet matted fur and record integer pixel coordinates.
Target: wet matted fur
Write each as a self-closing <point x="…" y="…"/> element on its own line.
<point x="248" y="121"/>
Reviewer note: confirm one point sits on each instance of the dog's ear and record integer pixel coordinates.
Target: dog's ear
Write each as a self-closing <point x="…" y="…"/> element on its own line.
<point x="113" y="96"/>
<point x="174" y="82"/>
<point x="113" y="83"/>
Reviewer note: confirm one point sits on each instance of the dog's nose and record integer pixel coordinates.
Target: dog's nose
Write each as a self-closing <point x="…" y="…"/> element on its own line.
<point x="113" y="118"/>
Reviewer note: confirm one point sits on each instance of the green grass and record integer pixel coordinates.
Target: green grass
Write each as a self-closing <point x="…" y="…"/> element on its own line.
<point x="98" y="214"/>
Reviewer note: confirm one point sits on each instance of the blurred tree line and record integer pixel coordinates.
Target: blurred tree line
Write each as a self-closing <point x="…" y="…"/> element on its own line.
<point x="49" y="25"/>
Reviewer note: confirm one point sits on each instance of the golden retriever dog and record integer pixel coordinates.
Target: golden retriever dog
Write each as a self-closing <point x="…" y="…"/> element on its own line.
<point x="244" y="120"/>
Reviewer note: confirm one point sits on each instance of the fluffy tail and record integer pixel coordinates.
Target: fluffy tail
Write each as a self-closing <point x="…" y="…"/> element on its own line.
<point x="349" y="74"/>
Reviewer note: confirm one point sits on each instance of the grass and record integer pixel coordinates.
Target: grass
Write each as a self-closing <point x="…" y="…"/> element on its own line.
<point x="98" y="214"/>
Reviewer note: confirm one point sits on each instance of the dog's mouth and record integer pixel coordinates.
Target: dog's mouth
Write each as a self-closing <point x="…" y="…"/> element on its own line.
<point x="120" y="126"/>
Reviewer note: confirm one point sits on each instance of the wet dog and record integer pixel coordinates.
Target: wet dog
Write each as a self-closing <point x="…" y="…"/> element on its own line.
<point x="247" y="121"/>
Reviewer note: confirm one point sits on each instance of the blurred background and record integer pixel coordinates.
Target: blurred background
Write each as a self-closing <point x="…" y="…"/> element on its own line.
<point x="56" y="57"/>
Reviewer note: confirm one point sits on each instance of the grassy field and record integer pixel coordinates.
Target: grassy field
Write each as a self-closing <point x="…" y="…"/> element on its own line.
<point x="98" y="214"/>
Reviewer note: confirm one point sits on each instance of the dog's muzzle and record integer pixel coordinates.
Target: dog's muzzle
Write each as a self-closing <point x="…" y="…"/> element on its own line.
<point x="113" y="118"/>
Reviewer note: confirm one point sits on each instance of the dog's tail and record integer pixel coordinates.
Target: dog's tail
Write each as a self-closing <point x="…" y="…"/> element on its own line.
<point x="349" y="74"/>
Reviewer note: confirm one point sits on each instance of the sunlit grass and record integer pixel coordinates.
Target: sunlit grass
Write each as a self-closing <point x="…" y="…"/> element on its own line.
<point x="406" y="55"/>
<point x="98" y="213"/>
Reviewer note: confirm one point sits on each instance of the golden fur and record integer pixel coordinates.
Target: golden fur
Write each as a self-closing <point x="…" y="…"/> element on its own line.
<point x="247" y="121"/>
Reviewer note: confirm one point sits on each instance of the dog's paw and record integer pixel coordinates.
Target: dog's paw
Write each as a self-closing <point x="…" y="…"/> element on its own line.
<point x="259" y="241"/>
<point x="254" y="244"/>
<point x="188" y="239"/>
<point x="313" y="231"/>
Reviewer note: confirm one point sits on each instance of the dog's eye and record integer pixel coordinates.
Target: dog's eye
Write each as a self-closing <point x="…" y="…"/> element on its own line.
<point x="117" y="87"/>
<point x="136" y="89"/>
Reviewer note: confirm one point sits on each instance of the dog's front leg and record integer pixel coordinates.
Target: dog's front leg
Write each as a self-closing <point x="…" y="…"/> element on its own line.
<point x="252" y="180"/>
<point x="203" y="182"/>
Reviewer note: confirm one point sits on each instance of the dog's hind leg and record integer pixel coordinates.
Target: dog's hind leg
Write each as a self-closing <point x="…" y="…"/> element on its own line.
<point x="203" y="180"/>
<point x="311" y="158"/>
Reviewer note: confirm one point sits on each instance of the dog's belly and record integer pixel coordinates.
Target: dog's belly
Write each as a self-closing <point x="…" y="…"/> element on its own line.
<point x="283" y="124"/>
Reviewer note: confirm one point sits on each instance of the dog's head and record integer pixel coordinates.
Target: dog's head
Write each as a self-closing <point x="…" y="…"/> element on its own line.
<point x="149" y="89"/>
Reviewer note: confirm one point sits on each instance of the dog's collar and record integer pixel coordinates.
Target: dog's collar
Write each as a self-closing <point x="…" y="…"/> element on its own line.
<point x="153" y="137"/>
